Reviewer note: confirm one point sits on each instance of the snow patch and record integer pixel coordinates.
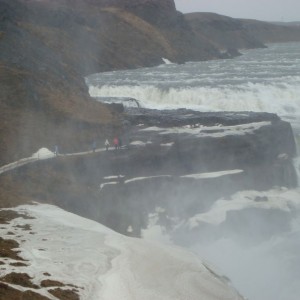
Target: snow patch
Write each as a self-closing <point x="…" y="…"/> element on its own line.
<point x="167" y="144"/>
<point x="145" y="178"/>
<point x="212" y="174"/>
<point x="216" y="131"/>
<point x="43" y="153"/>
<point x="166" y="61"/>
<point x="137" y="143"/>
<point x="102" y="185"/>
<point x="106" y="265"/>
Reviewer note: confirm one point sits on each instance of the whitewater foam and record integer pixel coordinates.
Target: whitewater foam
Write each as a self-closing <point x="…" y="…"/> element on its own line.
<point x="282" y="99"/>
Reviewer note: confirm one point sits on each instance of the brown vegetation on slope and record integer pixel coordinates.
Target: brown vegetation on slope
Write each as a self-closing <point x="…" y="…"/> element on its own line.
<point x="46" y="47"/>
<point x="40" y="108"/>
<point x="9" y="249"/>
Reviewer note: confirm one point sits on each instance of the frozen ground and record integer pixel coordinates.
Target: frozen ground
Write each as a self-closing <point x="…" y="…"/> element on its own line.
<point x="102" y="264"/>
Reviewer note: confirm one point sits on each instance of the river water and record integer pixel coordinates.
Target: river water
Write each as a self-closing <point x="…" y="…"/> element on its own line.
<point x="259" y="80"/>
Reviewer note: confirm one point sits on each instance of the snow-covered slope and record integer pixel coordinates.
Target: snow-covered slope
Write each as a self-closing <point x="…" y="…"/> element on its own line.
<point x="98" y="263"/>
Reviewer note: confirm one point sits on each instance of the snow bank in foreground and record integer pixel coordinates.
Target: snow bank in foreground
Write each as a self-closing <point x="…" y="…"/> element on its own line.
<point x="106" y="265"/>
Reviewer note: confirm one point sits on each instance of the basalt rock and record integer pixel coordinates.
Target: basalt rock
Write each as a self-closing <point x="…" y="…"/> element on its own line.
<point x="174" y="164"/>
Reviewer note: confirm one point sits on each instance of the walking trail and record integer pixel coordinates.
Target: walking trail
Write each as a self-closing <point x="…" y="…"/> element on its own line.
<point x="43" y="154"/>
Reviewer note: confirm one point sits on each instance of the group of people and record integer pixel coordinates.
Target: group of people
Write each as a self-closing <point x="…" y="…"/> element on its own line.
<point x="117" y="143"/>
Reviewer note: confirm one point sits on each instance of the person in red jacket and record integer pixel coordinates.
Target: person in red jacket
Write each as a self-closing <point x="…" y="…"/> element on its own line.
<point x="116" y="143"/>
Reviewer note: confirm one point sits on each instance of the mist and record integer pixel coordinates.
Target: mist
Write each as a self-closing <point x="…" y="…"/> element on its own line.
<point x="260" y="265"/>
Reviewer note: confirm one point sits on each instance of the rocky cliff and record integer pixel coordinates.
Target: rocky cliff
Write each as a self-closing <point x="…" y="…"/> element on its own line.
<point x="46" y="47"/>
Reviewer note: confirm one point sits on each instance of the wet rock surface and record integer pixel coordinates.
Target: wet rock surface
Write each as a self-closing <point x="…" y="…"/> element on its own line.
<point x="181" y="117"/>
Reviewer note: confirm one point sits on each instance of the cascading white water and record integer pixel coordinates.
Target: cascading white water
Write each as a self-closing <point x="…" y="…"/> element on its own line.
<point x="281" y="98"/>
<point x="260" y="80"/>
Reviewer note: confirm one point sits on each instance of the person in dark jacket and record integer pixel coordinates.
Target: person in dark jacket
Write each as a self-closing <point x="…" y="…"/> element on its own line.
<point x="94" y="146"/>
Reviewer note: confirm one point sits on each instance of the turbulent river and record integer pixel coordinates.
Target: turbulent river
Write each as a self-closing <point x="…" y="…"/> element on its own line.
<point x="259" y="80"/>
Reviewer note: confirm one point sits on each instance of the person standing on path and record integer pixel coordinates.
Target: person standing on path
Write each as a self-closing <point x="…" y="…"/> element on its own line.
<point x="116" y="143"/>
<point x="107" y="144"/>
<point x="56" y="150"/>
<point x="120" y="143"/>
<point x="94" y="145"/>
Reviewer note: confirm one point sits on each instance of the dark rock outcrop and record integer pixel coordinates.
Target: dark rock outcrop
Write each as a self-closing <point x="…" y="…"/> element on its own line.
<point x="180" y="161"/>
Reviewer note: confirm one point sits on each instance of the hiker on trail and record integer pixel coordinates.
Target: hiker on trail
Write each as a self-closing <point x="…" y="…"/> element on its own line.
<point x="120" y="143"/>
<point x="94" y="145"/>
<point x="116" y="143"/>
<point x="56" y="150"/>
<point x="107" y="144"/>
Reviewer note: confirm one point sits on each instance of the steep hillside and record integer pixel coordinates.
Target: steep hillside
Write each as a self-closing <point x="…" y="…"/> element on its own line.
<point x="47" y="47"/>
<point x="226" y="33"/>
<point x="272" y="33"/>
